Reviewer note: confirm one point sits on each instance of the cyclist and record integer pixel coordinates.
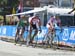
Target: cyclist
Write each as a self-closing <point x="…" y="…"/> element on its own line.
<point x="51" y="24"/>
<point x="35" y="24"/>
<point x="21" y="25"/>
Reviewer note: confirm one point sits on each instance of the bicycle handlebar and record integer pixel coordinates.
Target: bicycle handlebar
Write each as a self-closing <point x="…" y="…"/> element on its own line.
<point x="59" y="29"/>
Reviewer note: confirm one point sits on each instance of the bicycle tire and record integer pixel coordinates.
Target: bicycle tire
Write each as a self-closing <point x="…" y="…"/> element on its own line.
<point x="56" y="41"/>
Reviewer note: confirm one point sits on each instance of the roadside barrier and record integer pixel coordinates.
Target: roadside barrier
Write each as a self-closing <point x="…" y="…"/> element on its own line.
<point x="66" y="37"/>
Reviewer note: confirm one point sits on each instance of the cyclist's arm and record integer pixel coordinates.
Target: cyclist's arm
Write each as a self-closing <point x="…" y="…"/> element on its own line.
<point x="40" y="25"/>
<point x="51" y="24"/>
<point x="18" y="22"/>
<point x="60" y="25"/>
<point x="30" y="24"/>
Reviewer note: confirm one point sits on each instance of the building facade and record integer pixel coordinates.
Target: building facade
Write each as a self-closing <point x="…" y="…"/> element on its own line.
<point x="31" y="3"/>
<point x="37" y="3"/>
<point x="40" y="3"/>
<point x="65" y="3"/>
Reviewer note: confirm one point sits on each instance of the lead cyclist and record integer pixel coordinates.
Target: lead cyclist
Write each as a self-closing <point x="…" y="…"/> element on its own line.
<point x="51" y="24"/>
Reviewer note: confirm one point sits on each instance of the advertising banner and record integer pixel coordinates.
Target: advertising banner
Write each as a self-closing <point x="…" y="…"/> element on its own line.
<point x="67" y="36"/>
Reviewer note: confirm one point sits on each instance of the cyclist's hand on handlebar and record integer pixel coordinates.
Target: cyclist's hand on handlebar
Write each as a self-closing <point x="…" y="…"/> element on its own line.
<point x="61" y="30"/>
<point x="40" y="31"/>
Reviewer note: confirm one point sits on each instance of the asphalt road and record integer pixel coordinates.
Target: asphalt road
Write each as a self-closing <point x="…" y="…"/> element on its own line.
<point x="9" y="49"/>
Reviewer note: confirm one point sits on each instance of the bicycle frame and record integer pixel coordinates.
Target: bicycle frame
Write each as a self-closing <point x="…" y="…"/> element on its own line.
<point x="49" y="37"/>
<point x="19" y="37"/>
<point x="56" y="37"/>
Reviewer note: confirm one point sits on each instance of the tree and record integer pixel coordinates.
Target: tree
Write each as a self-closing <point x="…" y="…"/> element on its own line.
<point x="12" y="3"/>
<point x="7" y="6"/>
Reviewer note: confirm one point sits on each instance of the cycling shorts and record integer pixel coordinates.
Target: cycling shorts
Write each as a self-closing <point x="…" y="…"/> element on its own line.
<point x="34" y="26"/>
<point x="18" y="28"/>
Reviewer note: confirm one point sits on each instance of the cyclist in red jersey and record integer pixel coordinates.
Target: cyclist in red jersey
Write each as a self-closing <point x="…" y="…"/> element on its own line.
<point x="35" y="24"/>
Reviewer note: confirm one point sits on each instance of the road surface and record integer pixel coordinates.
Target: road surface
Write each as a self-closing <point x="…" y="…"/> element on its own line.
<point x="9" y="49"/>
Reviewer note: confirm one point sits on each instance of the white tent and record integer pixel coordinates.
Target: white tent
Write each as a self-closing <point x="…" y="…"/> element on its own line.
<point x="61" y="11"/>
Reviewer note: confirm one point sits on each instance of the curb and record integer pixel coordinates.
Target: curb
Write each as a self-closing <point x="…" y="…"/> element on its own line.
<point x="61" y="47"/>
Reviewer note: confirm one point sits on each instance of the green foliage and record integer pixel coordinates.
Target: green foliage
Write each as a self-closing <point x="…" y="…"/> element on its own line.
<point x="7" y="6"/>
<point x="12" y="3"/>
<point x="3" y="2"/>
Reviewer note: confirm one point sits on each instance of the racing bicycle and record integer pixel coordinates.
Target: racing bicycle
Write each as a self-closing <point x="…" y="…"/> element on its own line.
<point x="19" y="38"/>
<point x="51" y="39"/>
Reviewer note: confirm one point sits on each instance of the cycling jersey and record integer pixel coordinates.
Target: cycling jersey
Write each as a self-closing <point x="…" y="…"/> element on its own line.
<point x="22" y="23"/>
<point x="30" y="18"/>
<point x="54" y="22"/>
<point x="35" y="22"/>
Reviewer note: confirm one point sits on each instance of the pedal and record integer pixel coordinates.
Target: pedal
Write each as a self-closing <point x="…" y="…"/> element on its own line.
<point x="15" y="44"/>
<point x="20" y="44"/>
<point x="49" y="46"/>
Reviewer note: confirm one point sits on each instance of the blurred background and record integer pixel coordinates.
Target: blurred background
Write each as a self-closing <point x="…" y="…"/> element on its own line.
<point x="12" y="7"/>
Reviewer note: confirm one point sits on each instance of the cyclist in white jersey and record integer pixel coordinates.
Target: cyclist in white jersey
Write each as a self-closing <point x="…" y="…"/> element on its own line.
<point x="35" y="25"/>
<point x="51" y="24"/>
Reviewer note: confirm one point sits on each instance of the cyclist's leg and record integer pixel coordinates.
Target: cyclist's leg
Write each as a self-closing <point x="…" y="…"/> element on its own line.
<point x="16" y="36"/>
<point x="29" y="36"/>
<point x="17" y="32"/>
<point x="30" y="33"/>
<point x="32" y="27"/>
<point x="21" y="35"/>
<point x="35" y="33"/>
<point x="52" y="37"/>
<point x="47" y="39"/>
<point x="48" y="35"/>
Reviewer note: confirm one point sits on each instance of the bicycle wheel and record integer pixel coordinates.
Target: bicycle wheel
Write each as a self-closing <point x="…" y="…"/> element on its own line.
<point x="47" y="41"/>
<point x="17" y="39"/>
<point x="50" y="41"/>
<point x="56" y="41"/>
